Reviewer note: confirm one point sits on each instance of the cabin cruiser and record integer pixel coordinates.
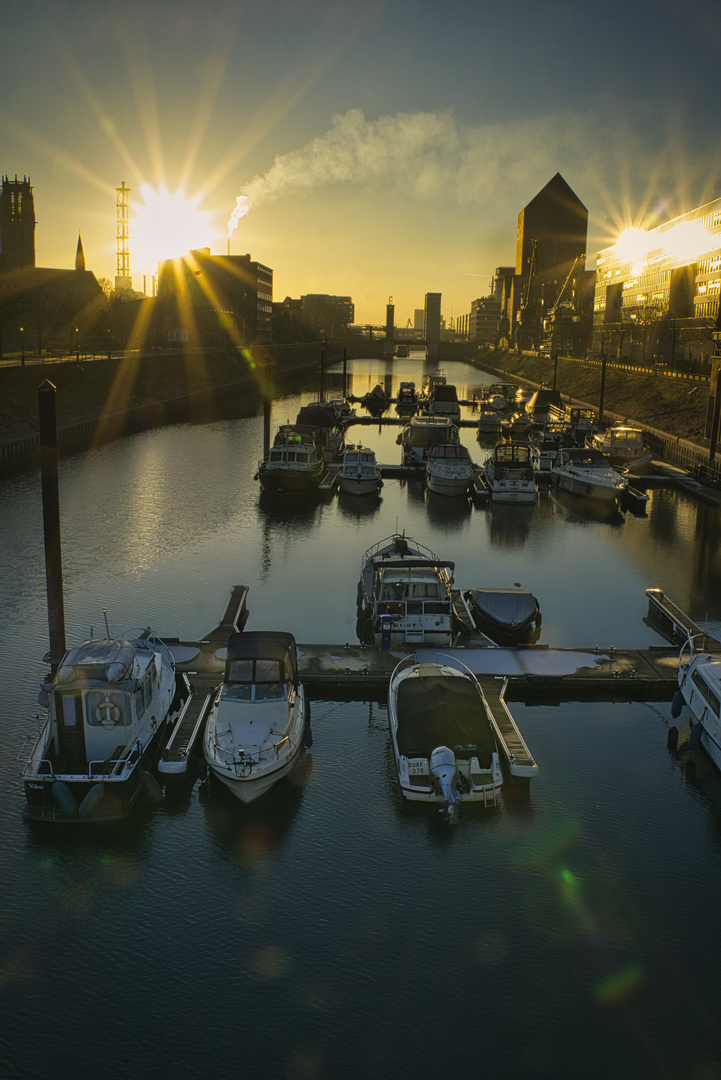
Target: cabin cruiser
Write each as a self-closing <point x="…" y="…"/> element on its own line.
<point x="406" y="399"/>
<point x="443" y="401"/>
<point x="257" y="723"/>
<point x="584" y="471"/>
<point x="509" y="473"/>
<point x="421" y="433"/>
<point x="624" y="447"/>
<point x="323" y="418"/>
<point x="430" y="384"/>
<point x="449" y="469"/>
<point x="404" y="596"/>
<point x="546" y="443"/>
<point x="294" y="465"/>
<point x="109" y="704"/>
<point x="444" y="744"/>
<point x="699" y="687"/>
<point x="359" y="473"/>
<point x="507" y="616"/>
<point x="489" y="421"/>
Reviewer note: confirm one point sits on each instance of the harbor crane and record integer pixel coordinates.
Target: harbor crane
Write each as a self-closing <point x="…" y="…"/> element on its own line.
<point x="562" y="309"/>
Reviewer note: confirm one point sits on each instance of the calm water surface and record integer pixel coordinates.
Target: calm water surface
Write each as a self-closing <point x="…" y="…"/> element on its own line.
<point x="332" y="930"/>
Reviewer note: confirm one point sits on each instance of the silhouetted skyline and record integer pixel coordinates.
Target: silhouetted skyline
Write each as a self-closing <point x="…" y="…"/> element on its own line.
<point x="386" y="148"/>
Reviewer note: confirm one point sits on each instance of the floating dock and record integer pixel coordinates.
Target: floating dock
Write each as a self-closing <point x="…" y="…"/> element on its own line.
<point x="528" y="673"/>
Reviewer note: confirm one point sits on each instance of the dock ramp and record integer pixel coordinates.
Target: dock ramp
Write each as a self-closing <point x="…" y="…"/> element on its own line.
<point x="520" y="761"/>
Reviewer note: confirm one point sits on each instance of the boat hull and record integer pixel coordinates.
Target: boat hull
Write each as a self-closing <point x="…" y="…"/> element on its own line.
<point x="288" y="482"/>
<point x="449" y="485"/>
<point x="353" y="486"/>
<point x="576" y="485"/>
<point x="248" y="789"/>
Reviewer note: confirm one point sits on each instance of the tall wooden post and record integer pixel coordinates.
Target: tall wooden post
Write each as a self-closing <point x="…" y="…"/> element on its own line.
<point x="266" y="424"/>
<point x="345" y="371"/>
<point x="715" y="419"/>
<point x="603" y="388"/>
<point x="51" y="521"/>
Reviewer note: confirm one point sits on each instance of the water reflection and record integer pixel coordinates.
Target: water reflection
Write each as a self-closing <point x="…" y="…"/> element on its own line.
<point x="249" y="833"/>
<point x="581" y="510"/>
<point x="509" y="526"/>
<point x="359" y="506"/>
<point x="449" y="513"/>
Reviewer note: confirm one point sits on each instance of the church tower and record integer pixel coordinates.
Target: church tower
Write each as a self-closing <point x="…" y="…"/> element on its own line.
<point x="80" y="255"/>
<point x="17" y="224"/>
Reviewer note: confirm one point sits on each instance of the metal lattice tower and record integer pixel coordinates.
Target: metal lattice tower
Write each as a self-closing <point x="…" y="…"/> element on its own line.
<point x="123" y="235"/>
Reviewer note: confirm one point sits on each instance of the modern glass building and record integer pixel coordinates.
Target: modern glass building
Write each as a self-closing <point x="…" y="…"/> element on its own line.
<point x="663" y="282"/>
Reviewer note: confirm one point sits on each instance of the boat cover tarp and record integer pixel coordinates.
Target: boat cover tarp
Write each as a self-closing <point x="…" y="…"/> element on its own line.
<point x="443" y="710"/>
<point x="319" y="415"/>
<point x="264" y="645"/>
<point x="508" y="608"/>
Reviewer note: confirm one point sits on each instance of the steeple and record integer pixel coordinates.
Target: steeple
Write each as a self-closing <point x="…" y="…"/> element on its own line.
<point x="80" y="255"/>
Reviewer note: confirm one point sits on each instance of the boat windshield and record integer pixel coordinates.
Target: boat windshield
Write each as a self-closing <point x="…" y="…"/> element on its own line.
<point x="255" y="680"/>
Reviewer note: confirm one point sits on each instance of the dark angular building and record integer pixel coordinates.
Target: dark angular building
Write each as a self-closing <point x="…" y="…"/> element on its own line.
<point x="215" y="299"/>
<point x="551" y="236"/>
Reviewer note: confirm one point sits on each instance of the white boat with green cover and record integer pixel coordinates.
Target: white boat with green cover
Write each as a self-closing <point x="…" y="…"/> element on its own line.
<point x="444" y="744"/>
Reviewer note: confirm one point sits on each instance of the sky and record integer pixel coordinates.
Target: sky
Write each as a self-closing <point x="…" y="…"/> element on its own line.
<point x="384" y="147"/>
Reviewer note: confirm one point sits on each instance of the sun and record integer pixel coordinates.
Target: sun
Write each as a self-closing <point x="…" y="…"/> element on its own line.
<point x="166" y="226"/>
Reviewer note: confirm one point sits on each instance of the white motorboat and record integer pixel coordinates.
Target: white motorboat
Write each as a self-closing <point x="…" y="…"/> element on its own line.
<point x="546" y="443"/>
<point x="449" y="469"/>
<point x="404" y="596"/>
<point x="509" y="473"/>
<point x="489" y="420"/>
<point x="421" y="433"/>
<point x="584" y="471"/>
<point x="257" y="723"/>
<point x="507" y="616"/>
<point x="444" y="744"/>
<point x="109" y="706"/>
<point x="699" y="688"/>
<point x="294" y="465"/>
<point x="624" y="447"/>
<point x="359" y="473"/>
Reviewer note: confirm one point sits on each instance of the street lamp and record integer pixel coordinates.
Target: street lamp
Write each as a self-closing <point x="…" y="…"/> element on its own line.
<point x="22" y="347"/>
<point x="77" y="345"/>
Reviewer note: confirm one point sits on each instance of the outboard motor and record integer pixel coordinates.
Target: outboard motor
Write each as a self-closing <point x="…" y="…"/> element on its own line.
<point x="445" y="780"/>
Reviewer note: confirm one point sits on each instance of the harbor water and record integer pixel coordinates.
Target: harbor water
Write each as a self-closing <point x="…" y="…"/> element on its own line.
<point x="330" y="929"/>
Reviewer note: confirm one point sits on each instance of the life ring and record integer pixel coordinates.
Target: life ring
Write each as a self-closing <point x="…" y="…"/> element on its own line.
<point x="107" y="713"/>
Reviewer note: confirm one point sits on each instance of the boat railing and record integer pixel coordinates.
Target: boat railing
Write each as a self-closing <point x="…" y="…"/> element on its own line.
<point x="690" y="647"/>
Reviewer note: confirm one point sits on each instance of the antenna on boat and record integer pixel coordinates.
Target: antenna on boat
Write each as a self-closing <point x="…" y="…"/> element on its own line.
<point x="107" y="628"/>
